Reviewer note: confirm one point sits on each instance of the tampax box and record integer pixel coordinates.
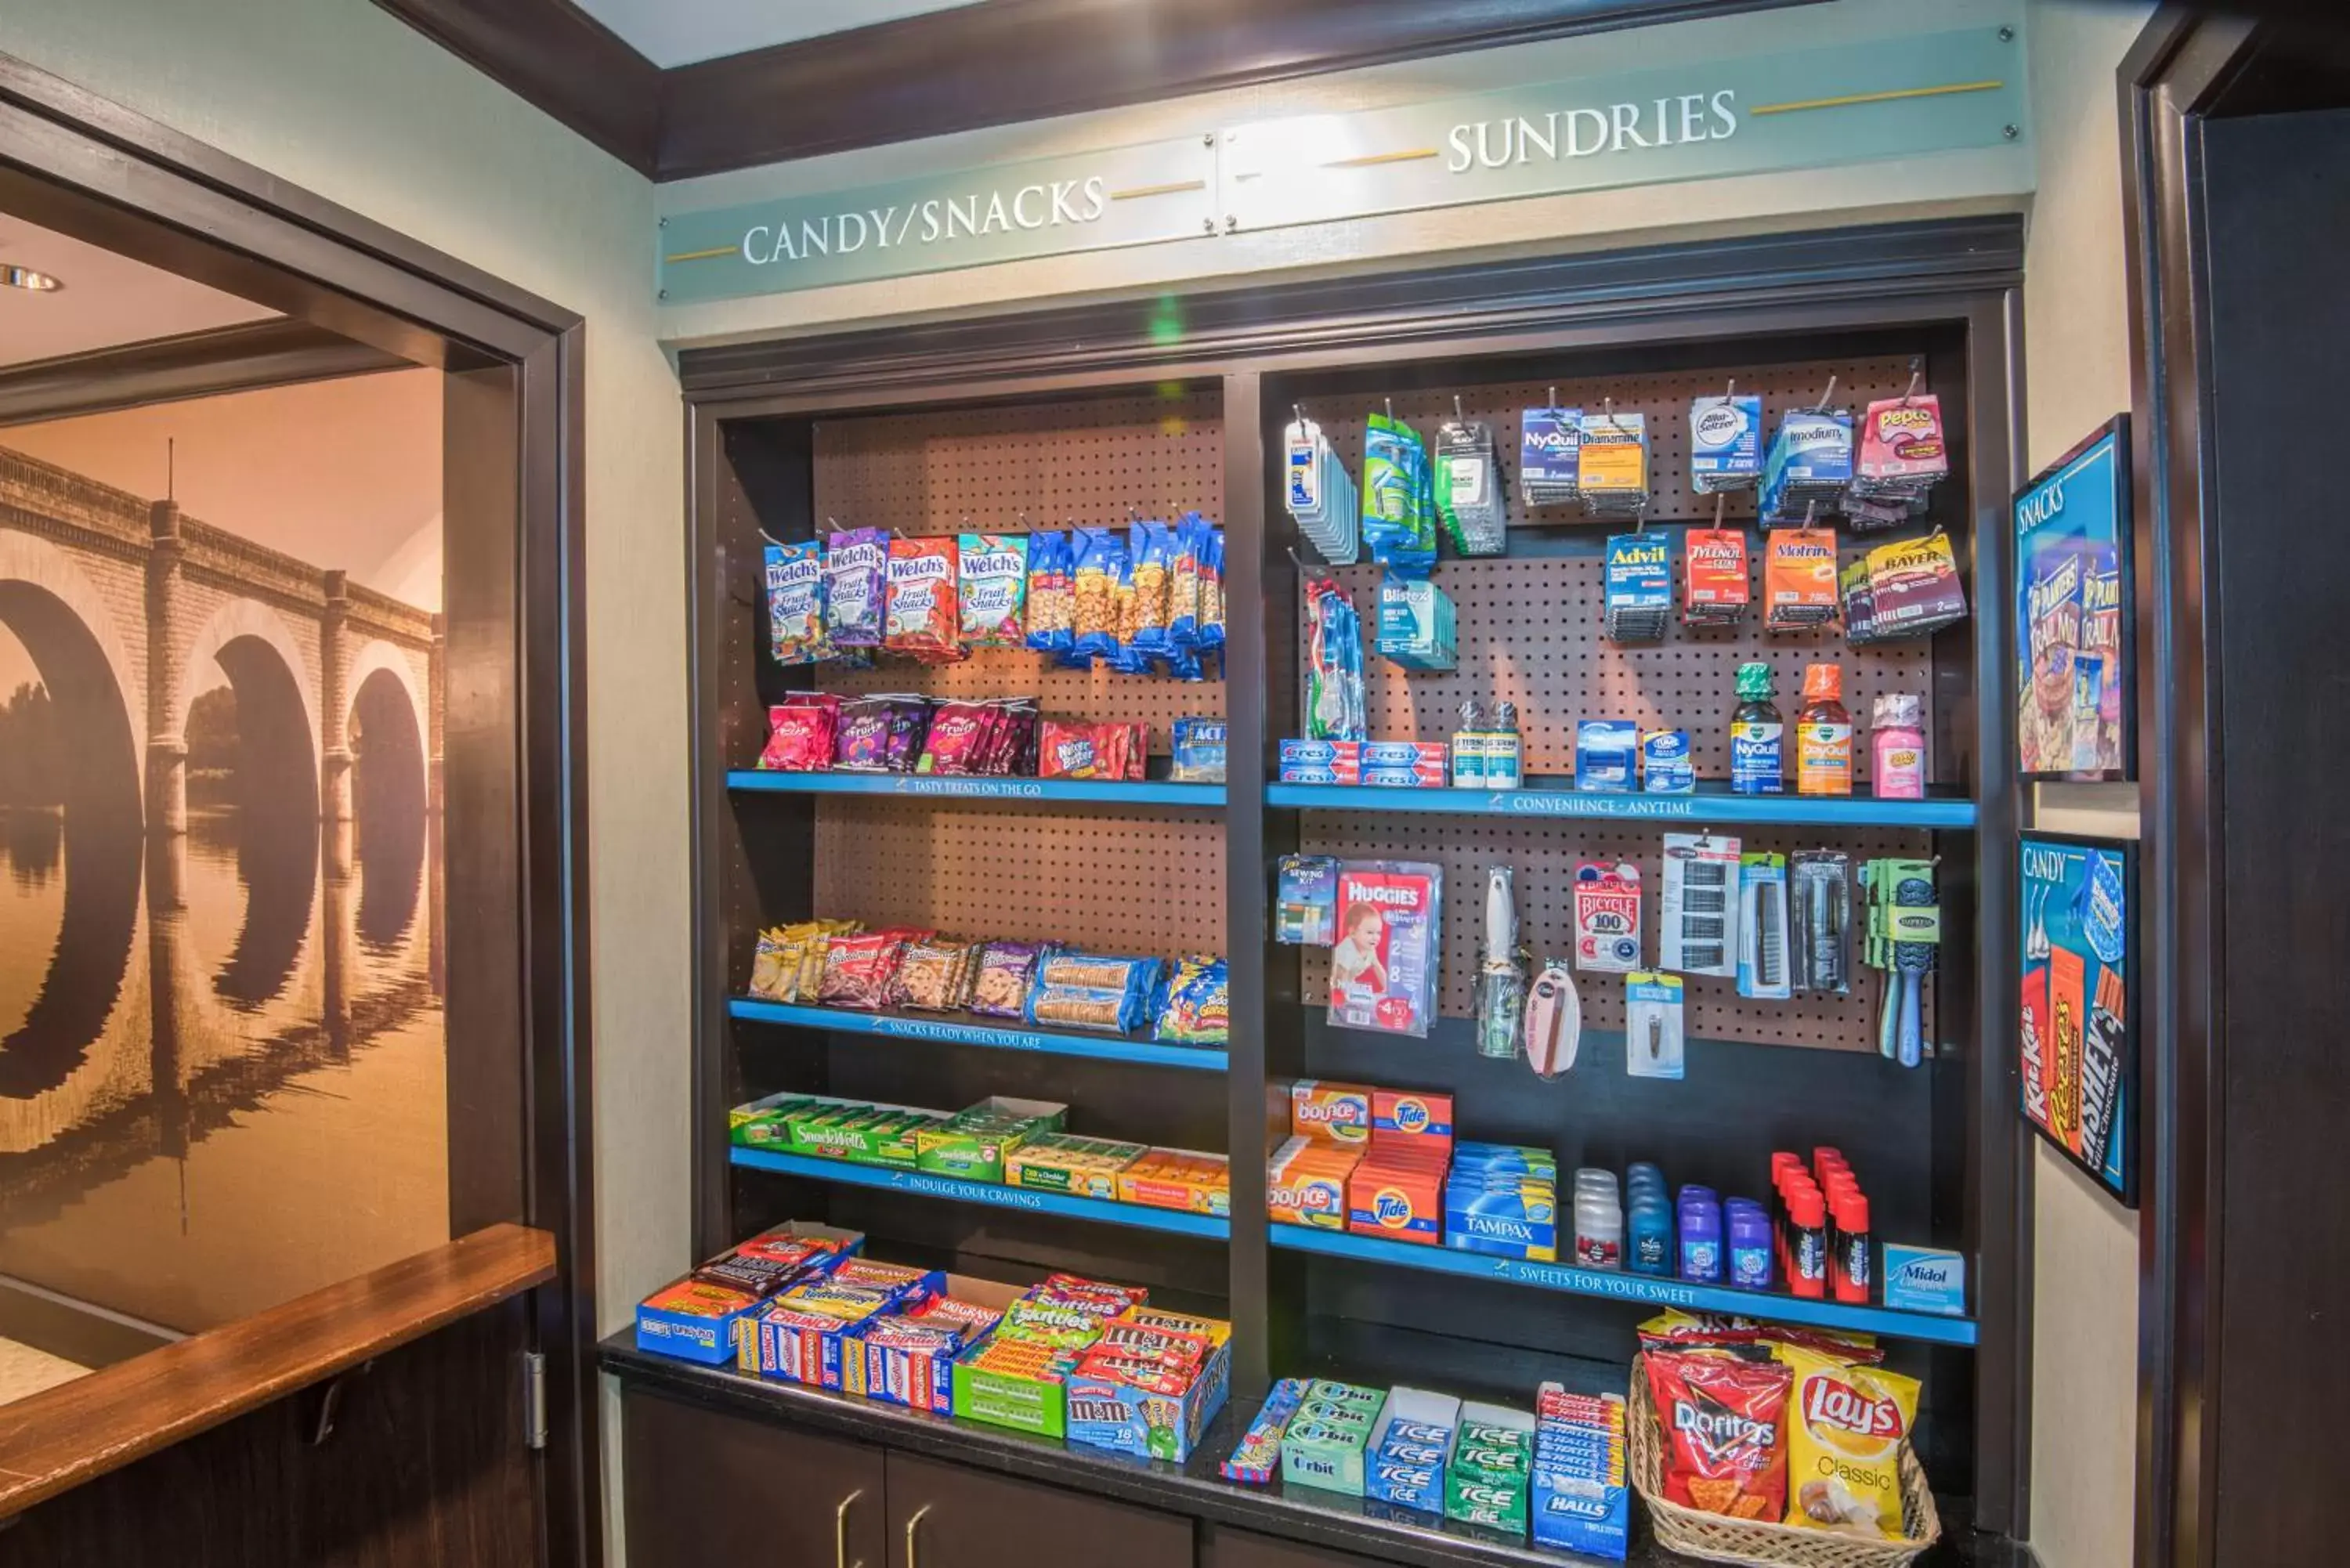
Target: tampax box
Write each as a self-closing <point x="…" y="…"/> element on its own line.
<point x="1109" y="1413"/>
<point x="1306" y="1183"/>
<point x="1406" y="1464"/>
<point x="1335" y="1113"/>
<point x="1412" y="1118"/>
<point x="1398" y="1194"/>
<point x="1503" y="1214"/>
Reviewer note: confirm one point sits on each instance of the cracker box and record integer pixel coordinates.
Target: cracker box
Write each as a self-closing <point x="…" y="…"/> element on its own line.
<point x="1398" y="1195"/>
<point x="765" y="1124"/>
<point x="694" y="1321"/>
<point x="1107" y="1411"/>
<point x="1178" y="1179"/>
<point x="1306" y="1183"/>
<point x="1333" y="1113"/>
<point x="1080" y="1167"/>
<point x="1421" y="1118"/>
<point x="1409" y="1448"/>
<point x="972" y="1144"/>
<point x="1383" y="965"/>
<point x="859" y="1132"/>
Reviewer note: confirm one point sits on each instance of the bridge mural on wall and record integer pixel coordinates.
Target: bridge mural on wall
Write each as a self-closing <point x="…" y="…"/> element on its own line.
<point x="203" y="955"/>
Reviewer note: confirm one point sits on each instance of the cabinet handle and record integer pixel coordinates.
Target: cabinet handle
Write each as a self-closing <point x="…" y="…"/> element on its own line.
<point x="840" y="1532"/>
<point x="912" y="1525"/>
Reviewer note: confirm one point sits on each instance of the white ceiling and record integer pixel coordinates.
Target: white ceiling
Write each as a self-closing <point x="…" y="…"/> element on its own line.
<point x="678" y="32"/>
<point x="107" y="300"/>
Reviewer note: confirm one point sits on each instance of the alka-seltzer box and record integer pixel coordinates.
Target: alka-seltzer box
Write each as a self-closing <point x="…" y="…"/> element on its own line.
<point x="1581" y="1502"/>
<point x="1333" y="1113"/>
<point x="1328" y="1455"/>
<point x="1412" y="1118"/>
<point x="1924" y="1279"/>
<point x="1107" y="1413"/>
<point x="1408" y="1449"/>
<point x="1322" y="762"/>
<point x="1489" y="1473"/>
<point x="694" y="1321"/>
<point x="1306" y="1183"/>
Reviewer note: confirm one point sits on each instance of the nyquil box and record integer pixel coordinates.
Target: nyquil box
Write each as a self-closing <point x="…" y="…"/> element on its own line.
<point x="1924" y="1279"/>
<point x="1414" y="1425"/>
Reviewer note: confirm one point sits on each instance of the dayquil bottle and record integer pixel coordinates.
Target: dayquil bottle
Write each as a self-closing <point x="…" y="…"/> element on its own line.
<point x="1756" y="736"/>
<point x="1824" y="734"/>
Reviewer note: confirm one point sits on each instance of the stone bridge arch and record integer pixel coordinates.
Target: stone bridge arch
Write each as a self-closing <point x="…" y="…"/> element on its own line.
<point x="277" y="700"/>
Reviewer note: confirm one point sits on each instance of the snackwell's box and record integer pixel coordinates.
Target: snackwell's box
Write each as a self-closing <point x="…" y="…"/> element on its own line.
<point x="973" y="1143"/>
<point x="1108" y="1410"/>
<point x="1408" y="1447"/>
<point x="702" y="1319"/>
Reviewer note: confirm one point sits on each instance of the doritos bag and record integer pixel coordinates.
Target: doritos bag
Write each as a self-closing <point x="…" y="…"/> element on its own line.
<point x="1722" y="1419"/>
<point x="1844" y="1437"/>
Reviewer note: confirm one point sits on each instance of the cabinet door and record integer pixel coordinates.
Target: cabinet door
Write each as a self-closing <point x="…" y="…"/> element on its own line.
<point x="702" y="1489"/>
<point x="1224" y="1548"/>
<point x="948" y="1516"/>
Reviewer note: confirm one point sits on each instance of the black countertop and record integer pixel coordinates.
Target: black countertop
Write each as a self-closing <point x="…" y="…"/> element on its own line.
<point x="1374" y="1529"/>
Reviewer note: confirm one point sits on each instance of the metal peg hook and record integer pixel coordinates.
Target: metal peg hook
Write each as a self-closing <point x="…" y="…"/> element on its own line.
<point x="1391" y="403"/>
<point x="1821" y="406"/>
<point x="1458" y="412"/>
<point x="1554" y="399"/>
<point x="1721" y="506"/>
<point x="1298" y="414"/>
<point x="1917" y="373"/>
<point x="1729" y="388"/>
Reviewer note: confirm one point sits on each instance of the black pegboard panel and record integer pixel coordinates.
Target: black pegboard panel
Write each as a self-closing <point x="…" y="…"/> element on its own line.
<point x="1098" y="461"/>
<point x="1132" y="882"/>
<point x="1545" y="857"/>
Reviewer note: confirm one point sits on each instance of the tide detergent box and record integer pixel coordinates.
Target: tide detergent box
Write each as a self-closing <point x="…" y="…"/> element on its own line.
<point x="1411" y="1116"/>
<point x="1408" y="1447"/>
<point x="1334" y="1113"/>
<point x="1398" y="1195"/>
<point x="1306" y="1183"/>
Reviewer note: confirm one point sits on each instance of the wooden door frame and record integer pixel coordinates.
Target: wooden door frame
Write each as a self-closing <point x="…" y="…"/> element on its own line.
<point x="116" y="177"/>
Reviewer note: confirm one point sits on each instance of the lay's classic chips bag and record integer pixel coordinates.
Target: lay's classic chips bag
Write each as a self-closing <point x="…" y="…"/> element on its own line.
<point x="1846" y="1426"/>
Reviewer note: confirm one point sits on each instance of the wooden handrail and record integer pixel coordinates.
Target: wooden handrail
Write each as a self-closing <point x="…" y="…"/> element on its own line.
<point x="65" y="1436"/>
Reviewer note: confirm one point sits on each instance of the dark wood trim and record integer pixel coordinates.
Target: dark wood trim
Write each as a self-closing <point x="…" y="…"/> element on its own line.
<point x="1017" y="60"/>
<point x="1322" y="316"/>
<point x="193" y="365"/>
<point x="557" y="58"/>
<point x="87" y="166"/>
<point x="81" y="1332"/>
<point x="78" y="1431"/>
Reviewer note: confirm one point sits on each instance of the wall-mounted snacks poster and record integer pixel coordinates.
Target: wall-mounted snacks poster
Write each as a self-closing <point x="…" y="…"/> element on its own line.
<point x="2077" y="1025"/>
<point x="2076" y="658"/>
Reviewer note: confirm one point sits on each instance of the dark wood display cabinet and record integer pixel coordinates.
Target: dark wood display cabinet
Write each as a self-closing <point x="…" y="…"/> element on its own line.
<point x="1092" y="413"/>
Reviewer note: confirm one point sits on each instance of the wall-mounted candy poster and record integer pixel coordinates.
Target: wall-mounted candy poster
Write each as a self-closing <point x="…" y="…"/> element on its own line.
<point x="2076" y="717"/>
<point x="2077" y="1026"/>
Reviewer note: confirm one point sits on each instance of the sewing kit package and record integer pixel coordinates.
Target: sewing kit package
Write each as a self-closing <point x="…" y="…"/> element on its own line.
<point x="1383" y="965"/>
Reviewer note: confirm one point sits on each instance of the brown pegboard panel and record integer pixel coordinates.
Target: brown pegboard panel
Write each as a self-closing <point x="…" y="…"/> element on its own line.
<point x="1663" y="398"/>
<point x="1545" y="857"/>
<point x="1530" y="633"/>
<point x="1131" y="882"/>
<point x="1011" y="469"/>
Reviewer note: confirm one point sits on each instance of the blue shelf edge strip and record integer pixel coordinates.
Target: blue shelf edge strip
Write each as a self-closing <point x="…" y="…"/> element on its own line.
<point x="1641" y="1288"/>
<point x="1856" y="811"/>
<point x="1135" y="1216"/>
<point x="1106" y="1048"/>
<point x="909" y="787"/>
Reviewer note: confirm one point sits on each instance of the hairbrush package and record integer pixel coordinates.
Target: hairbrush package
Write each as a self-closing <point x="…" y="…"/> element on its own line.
<point x="800" y="731"/>
<point x="1383" y="964"/>
<point x="921" y="618"/>
<point x="796" y="603"/>
<point x="993" y="588"/>
<point x="856" y="583"/>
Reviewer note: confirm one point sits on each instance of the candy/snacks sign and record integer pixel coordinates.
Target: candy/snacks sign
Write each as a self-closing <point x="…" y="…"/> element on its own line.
<point x="2075" y="711"/>
<point x="2076" y="1026"/>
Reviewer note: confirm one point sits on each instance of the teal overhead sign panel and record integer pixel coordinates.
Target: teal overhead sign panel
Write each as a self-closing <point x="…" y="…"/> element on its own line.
<point x="1087" y="201"/>
<point x="1850" y="103"/>
<point x="1810" y="109"/>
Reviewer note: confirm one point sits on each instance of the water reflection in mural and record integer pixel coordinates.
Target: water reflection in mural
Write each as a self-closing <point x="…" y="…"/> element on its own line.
<point x="222" y="1038"/>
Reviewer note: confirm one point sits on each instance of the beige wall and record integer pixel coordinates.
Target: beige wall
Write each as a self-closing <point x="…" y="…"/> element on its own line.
<point x="2076" y="358"/>
<point x="339" y="98"/>
<point x="1995" y="179"/>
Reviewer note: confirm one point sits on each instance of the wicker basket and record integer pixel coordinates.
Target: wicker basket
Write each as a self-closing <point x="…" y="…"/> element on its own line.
<point x="1720" y="1539"/>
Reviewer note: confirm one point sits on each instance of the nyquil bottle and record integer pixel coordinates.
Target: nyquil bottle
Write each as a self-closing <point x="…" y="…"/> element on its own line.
<point x="1757" y="736"/>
